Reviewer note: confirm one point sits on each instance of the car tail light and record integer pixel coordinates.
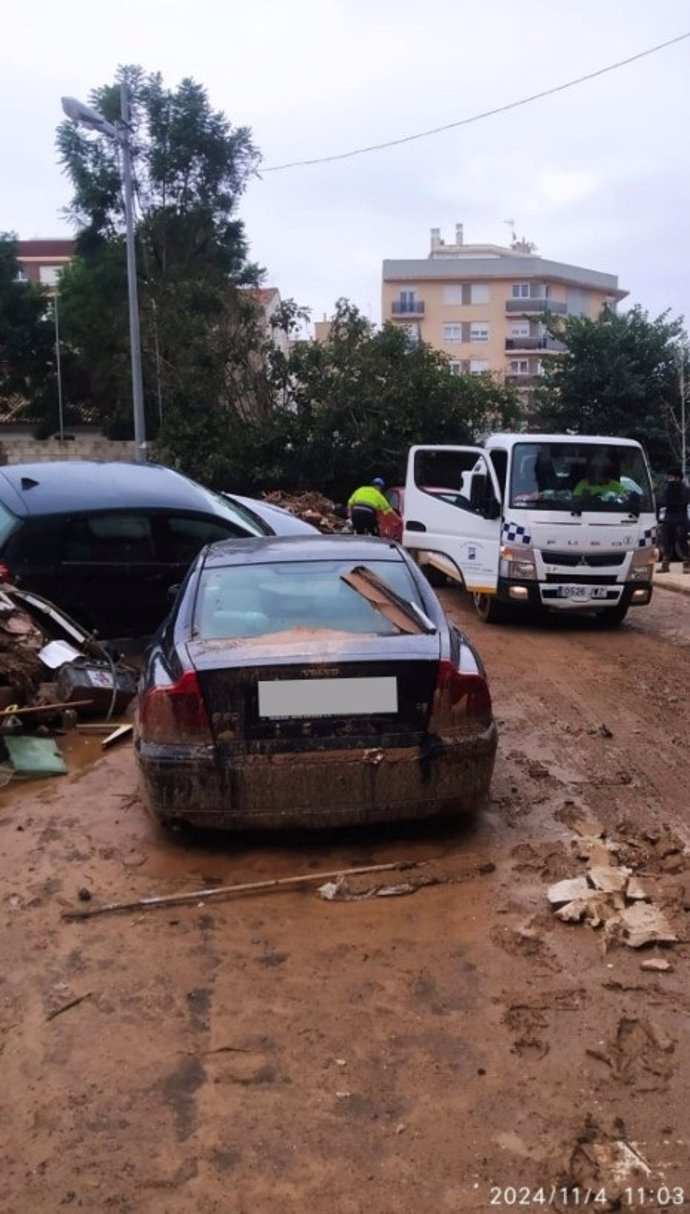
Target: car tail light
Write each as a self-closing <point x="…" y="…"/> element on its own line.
<point x="461" y="700"/>
<point x="5" y="575"/>
<point x="175" y="714"/>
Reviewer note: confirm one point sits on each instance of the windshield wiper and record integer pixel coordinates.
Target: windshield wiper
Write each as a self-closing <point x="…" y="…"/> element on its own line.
<point x="406" y="616"/>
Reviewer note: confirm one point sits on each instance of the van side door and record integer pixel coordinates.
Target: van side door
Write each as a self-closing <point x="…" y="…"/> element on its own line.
<point x="453" y="506"/>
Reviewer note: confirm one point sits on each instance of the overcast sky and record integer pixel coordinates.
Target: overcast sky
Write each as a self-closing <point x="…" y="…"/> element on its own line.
<point x="597" y="176"/>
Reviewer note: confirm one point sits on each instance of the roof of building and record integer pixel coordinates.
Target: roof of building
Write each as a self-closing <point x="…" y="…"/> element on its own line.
<point x="263" y="295"/>
<point x="45" y="248"/>
<point x="517" y="267"/>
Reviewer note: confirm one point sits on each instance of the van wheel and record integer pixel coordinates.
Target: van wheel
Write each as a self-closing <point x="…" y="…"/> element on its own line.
<point x="433" y="575"/>
<point x="611" y="618"/>
<point x="490" y="610"/>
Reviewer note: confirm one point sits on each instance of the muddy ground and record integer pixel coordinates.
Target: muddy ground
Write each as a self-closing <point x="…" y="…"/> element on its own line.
<point x="459" y="1049"/>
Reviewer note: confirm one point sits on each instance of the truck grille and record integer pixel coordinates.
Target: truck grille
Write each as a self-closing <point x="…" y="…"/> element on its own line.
<point x="593" y="560"/>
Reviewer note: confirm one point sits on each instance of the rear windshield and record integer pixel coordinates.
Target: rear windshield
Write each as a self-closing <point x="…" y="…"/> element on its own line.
<point x="259" y="600"/>
<point x="8" y="522"/>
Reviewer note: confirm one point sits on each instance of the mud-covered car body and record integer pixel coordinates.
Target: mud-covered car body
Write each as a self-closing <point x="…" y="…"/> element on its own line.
<point x="311" y="682"/>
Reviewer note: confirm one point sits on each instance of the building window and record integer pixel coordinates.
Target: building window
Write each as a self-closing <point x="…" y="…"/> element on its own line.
<point x="478" y="366"/>
<point x="479" y="293"/>
<point x="452" y="295"/>
<point x="520" y="290"/>
<point x="519" y="366"/>
<point x="455" y="366"/>
<point x="452" y="333"/>
<point x="479" y="331"/>
<point x="411" y="330"/>
<point x="520" y="330"/>
<point x="21" y="276"/>
<point x="49" y="275"/>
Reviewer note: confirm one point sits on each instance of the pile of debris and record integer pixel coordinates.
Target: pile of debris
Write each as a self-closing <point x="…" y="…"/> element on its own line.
<point x="313" y="508"/>
<point x="51" y="673"/>
<point x="609" y="895"/>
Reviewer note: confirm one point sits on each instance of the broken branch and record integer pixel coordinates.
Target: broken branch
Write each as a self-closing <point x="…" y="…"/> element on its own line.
<point x="225" y="890"/>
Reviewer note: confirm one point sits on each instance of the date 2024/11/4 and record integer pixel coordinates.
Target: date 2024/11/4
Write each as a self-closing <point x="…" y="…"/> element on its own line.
<point x="637" y="1197"/>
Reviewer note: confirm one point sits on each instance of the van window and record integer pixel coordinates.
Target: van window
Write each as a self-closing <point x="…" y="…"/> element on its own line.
<point x="580" y="476"/>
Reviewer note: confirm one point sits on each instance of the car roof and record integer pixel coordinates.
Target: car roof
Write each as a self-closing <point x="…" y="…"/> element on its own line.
<point x="55" y="486"/>
<point x="300" y="548"/>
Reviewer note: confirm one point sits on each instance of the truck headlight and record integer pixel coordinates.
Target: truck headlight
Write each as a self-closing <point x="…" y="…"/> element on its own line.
<point x="642" y="564"/>
<point x="517" y="563"/>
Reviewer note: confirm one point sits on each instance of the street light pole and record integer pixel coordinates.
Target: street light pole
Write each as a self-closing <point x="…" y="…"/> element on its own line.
<point x="58" y="366"/>
<point x="83" y="115"/>
<point x="134" y="334"/>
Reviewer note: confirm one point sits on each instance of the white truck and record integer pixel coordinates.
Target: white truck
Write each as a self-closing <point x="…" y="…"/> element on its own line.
<point x="555" y="522"/>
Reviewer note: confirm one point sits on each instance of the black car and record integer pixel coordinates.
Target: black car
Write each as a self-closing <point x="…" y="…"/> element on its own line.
<point x="105" y="540"/>
<point x="311" y="682"/>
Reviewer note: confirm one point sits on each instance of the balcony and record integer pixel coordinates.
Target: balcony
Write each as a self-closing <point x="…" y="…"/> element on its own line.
<point x="537" y="305"/>
<point x="407" y="307"/>
<point x="534" y="343"/>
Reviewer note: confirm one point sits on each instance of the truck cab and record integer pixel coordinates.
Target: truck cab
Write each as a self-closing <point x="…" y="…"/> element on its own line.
<point x="554" y="522"/>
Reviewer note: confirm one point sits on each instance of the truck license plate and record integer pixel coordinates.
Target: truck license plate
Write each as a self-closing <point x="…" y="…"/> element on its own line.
<point x="582" y="592"/>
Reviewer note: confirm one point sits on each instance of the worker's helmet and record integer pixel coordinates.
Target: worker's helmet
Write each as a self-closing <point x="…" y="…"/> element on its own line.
<point x="379" y="482"/>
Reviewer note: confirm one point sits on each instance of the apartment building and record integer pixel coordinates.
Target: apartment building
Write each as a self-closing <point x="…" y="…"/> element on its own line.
<point x="483" y="304"/>
<point x="41" y="261"/>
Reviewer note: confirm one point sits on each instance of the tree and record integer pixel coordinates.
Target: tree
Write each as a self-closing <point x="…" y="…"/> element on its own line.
<point x="27" y="336"/>
<point x="350" y="408"/>
<point x="197" y="325"/>
<point x="617" y="375"/>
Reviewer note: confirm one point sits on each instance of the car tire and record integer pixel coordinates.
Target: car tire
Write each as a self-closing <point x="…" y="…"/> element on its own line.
<point x="489" y="610"/>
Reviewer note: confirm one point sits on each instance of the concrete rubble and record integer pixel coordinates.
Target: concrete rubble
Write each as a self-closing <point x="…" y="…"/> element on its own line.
<point x="610" y="895"/>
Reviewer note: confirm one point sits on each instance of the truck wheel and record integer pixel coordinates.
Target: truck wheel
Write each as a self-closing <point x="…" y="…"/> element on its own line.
<point x="489" y="609"/>
<point x="612" y="618"/>
<point x="433" y="575"/>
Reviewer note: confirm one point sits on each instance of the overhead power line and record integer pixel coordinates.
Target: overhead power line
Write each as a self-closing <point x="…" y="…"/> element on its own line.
<point x="500" y="109"/>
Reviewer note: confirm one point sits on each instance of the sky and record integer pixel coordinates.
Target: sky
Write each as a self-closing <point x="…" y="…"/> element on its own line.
<point x="597" y="176"/>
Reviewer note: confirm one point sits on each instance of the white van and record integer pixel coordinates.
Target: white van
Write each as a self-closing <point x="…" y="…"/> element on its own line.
<point x="558" y="522"/>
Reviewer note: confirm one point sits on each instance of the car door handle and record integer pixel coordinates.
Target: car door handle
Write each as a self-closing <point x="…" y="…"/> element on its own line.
<point x="413" y="525"/>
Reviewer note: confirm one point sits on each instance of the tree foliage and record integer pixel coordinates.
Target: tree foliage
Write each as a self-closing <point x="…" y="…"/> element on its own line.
<point x="618" y="374"/>
<point x="197" y="325"/>
<point x="26" y="335"/>
<point x="348" y="409"/>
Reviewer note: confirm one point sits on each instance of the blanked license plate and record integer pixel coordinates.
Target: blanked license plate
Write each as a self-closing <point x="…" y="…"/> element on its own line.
<point x="582" y="592"/>
<point x="327" y="697"/>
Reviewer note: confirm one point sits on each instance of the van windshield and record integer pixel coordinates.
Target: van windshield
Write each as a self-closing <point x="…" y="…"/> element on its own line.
<point x="580" y="477"/>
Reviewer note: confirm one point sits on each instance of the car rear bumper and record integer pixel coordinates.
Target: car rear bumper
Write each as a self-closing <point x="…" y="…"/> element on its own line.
<point x="319" y="789"/>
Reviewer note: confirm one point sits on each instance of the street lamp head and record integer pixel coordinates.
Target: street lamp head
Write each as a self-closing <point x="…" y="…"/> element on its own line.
<point x="85" y="116"/>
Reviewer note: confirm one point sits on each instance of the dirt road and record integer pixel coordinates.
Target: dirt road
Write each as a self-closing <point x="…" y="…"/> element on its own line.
<point x="455" y="1050"/>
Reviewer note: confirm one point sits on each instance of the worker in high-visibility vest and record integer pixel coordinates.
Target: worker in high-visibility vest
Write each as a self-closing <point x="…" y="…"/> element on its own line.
<point x="364" y="504"/>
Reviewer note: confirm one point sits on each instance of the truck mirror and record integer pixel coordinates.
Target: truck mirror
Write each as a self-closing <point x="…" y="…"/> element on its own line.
<point x="478" y="486"/>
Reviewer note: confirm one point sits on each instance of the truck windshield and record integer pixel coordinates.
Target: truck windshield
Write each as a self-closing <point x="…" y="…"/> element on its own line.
<point x="580" y="477"/>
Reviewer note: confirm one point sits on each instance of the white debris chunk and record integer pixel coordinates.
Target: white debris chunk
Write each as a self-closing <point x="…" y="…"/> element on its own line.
<point x="568" y="890"/>
<point x="608" y="879"/>
<point x="658" y="964"/>
<point x="635" y="891"/>
<point x="644" y="924"/>
<point x="594" y="907"/>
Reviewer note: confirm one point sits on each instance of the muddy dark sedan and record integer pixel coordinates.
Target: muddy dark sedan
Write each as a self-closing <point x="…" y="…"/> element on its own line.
<point x="311" y="681"/>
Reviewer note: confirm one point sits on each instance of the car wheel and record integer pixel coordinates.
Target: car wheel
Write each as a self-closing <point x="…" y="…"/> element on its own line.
<point x="490" y="610"/>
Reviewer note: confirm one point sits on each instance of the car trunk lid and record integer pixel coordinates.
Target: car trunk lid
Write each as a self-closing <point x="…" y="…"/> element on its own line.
<point x="281" y="693"/>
